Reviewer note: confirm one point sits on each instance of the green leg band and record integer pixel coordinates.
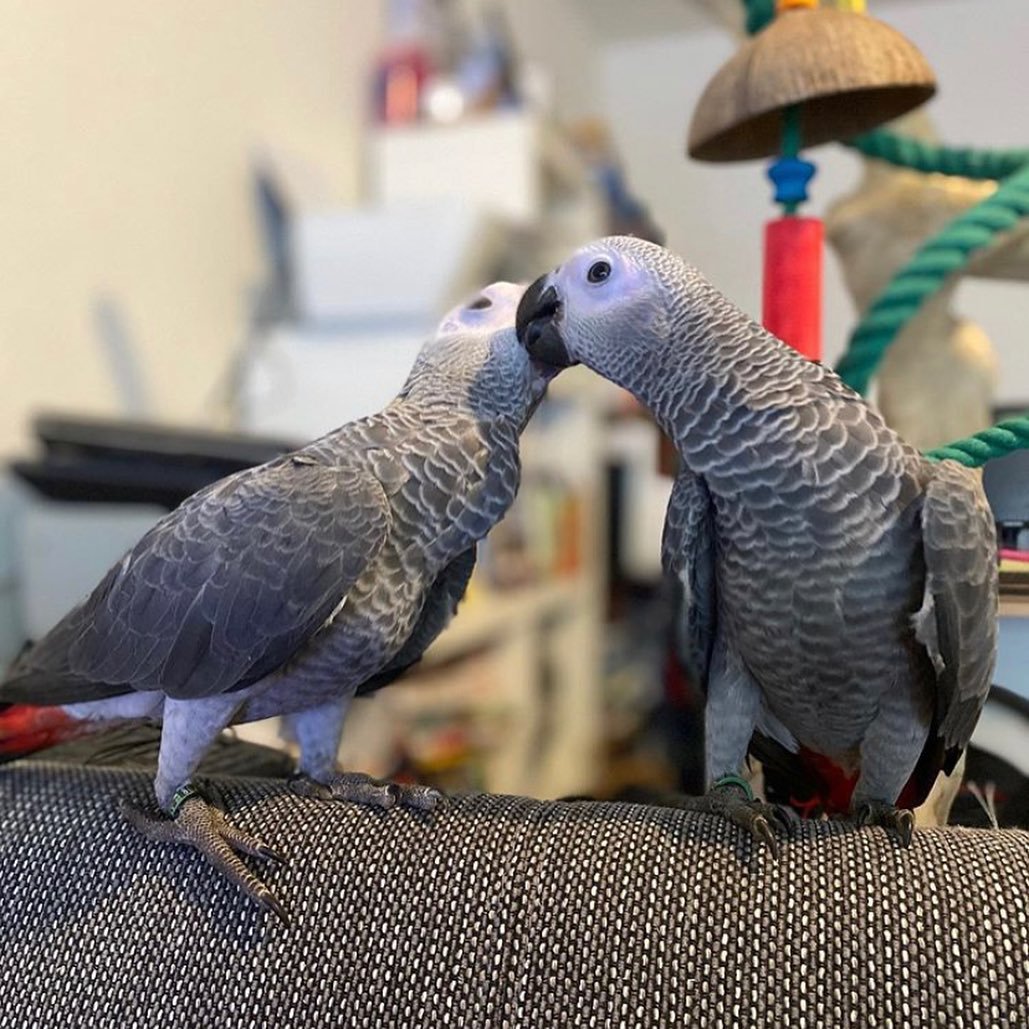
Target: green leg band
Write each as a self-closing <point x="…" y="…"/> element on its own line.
<point x="734" y="780"/>
<point x="185" y="792"/>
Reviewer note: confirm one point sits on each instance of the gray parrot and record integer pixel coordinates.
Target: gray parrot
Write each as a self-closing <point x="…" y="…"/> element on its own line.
<point x="288" y="588"/>
<point x="839" y="590"/>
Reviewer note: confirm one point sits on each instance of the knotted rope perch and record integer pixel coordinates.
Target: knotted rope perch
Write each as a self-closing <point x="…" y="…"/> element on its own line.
<point x="918" y="155"/>
<point x="975" y="451"/>
<point x="933" y="264"/>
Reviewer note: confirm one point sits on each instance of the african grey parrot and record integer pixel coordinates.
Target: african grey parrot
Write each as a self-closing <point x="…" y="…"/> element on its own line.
<point x="840" y="590"/>
<point x="288" y="588"/>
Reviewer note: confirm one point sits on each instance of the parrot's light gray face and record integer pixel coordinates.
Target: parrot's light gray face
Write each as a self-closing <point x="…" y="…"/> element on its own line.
<point x="485" y="322"/>
<point x="490" y="309"/>
<point x="476" y="357"/>
<point x="488" y="374"/>
<point x="605" y="307"/>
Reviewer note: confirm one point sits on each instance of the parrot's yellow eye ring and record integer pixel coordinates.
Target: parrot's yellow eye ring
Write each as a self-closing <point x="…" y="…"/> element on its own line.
<point x="599" y="272"/>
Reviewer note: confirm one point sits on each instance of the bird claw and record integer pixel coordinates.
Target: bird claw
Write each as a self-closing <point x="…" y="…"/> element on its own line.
<point x="785" y="817"/>
<point x="763" y="831"/>
<point x="755" y="816"/>
<point x="363" y="789"/>
<point x="206" y="829"/>
<point x="423" y="798"/>
<point x="898" y="822"/>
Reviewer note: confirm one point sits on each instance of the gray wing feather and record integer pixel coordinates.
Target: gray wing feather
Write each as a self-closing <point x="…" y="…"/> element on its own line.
<point x="220" y="592"/>
<point x="959" y="626"/>
<point x="440" y="606"/>
<point x="687" y="552"/>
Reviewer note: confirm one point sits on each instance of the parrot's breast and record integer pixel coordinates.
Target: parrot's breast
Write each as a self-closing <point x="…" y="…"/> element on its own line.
<point x="821" y="612"/>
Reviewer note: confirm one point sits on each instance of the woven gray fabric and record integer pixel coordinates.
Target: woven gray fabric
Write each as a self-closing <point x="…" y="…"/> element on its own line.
<point x="498" y="911"/>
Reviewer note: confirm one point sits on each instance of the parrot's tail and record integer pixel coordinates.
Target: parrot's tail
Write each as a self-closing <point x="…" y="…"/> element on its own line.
<point x="25" y="729"/>
<point x="813" y="784"/>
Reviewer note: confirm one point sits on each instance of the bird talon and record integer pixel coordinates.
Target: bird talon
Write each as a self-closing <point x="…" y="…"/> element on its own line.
<point x="205" y="828"/>
<point x="270" y="854"/>
<point x="905" y="827"/>
<point x="898" y="822"/>
<point x="358" y="788"/>
<point x="425" y="798"/>
<point x="270" y="902"/>
<point x="763" y="831"/>
<point x="785" y="818"/>
<point x="728" y="800"/>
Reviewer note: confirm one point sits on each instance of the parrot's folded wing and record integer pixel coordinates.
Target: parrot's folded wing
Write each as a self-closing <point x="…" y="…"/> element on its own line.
<point x="958" y="624"/>
<point x="687" y="556"/>
<point x="221" y="592"/>
<point x="440" y="606"/>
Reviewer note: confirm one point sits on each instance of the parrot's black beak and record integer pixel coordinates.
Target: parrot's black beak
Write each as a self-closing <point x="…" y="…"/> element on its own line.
<point x="536" y="324"/>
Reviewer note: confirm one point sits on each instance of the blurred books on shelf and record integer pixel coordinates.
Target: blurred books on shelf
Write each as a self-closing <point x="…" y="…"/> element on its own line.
<point x="1014" y="572"/>
<point x="539" y="539"/>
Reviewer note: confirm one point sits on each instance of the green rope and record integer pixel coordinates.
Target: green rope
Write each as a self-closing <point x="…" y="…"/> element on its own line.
<point x="973" y="452"/>
<point x="930" y="268"/>
<point x="935" y="262"/>
<point x="759" y="14"/>
<point x="905" y="152"/>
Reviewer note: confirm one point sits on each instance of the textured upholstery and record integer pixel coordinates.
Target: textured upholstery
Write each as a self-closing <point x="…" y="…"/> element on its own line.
<point x="498" y="911"/>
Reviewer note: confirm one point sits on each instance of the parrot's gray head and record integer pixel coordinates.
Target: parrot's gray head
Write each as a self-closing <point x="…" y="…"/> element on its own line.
<point x="608" y="306"/>
<point x="476" y="363"/>
<point x="491" y="308"/>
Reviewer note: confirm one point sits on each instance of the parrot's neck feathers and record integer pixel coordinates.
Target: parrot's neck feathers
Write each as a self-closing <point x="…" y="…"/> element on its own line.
<point x="714" y="370"/>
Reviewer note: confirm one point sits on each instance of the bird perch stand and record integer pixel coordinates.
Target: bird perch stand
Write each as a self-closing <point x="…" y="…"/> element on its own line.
<point x="792" y="303"/>
<point x="815" y="74"/>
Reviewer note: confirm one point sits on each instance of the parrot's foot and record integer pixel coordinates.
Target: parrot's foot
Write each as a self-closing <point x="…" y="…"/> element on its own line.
<point x="898" y="822"/>
<point x="731" y="799"/>
<point x="206" y="828"/>
<point x="363" y="789"/>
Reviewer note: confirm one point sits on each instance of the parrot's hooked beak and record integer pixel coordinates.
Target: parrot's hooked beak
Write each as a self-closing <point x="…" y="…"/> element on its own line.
<point x="537" y="325"/>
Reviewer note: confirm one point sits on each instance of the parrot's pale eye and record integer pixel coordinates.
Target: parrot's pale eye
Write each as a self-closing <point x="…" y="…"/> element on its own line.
<point x="599" y="272"/>
<point x="480" y="304"/>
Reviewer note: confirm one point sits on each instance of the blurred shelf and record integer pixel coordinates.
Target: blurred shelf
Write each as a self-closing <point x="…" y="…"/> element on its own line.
<point x="506" y="162"/>
<point x="1014" y="605"/>
<point x="493" y="615"/>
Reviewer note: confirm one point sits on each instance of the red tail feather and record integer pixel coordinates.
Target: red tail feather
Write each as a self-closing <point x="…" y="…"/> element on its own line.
<point x="832" y="788"/>
<point x="25" y="729"/>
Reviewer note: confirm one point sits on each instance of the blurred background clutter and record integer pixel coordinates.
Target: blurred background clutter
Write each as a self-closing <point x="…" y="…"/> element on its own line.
<point x="229" y="227"/>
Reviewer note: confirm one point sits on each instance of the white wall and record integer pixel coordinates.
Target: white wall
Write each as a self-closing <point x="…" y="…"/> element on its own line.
<point x="713" y="213"/>
<point x="126" y="128"/>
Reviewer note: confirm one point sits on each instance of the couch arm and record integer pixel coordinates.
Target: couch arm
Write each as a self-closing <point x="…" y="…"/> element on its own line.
<point x="497" y="911"/>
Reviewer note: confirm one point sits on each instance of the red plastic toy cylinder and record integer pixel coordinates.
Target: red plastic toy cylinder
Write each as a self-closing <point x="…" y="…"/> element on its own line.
<point x="792" y="308"/>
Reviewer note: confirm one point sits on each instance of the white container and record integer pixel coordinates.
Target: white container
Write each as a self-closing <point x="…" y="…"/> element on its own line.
<point x="299" y="383"/>
<point x="494" y="162"/>
<point x="401" y="265"/>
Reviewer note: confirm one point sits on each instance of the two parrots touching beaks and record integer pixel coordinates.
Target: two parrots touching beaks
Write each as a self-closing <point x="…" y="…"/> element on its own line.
<point x="837" y="591"/>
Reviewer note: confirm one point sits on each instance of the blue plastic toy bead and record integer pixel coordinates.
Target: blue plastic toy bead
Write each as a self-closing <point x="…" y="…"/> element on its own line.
<point x="791" y="176"/>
